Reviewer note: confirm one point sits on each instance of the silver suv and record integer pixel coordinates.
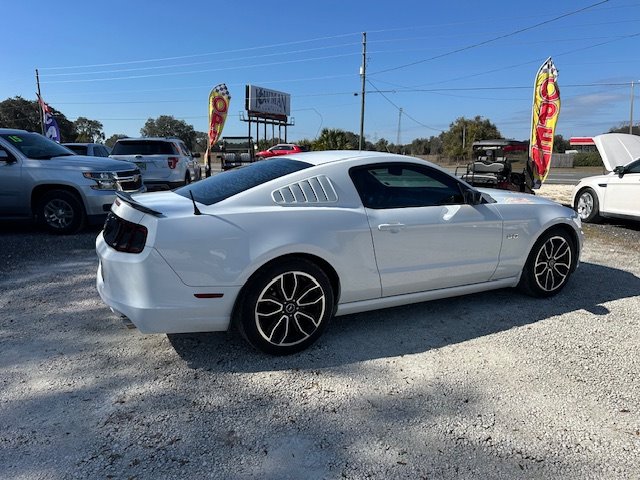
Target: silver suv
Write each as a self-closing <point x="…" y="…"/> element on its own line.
<point x="164" y="162"/>
<point x="63" y="191"/>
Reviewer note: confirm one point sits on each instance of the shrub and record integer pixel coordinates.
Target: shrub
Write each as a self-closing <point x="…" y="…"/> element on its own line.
<point x="587" y="159"/>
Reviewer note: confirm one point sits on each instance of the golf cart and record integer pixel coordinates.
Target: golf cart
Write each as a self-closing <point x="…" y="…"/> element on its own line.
<point x="500" y="164"/>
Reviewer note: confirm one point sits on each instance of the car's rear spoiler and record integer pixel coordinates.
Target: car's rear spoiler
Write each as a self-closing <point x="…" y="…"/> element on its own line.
<point x="126" y="197"/>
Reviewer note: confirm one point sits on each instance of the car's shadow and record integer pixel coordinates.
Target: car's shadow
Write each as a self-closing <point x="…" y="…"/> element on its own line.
<point x="415" y="328"/>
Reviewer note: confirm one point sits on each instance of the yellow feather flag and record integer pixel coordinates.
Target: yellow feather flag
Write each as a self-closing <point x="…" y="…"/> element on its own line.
<point x="219" y="100"/>
<point x="546" y="109"/>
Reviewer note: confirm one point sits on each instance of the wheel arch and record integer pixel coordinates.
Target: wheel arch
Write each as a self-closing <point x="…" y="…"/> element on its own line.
<point x="320" y="262"/>
<point x="597" y="189"/>
<point x="40" y="190"/>
<point x="566" y="228"/>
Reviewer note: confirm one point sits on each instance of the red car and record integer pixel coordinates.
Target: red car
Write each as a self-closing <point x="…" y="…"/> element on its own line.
<point x="282" y="149"/>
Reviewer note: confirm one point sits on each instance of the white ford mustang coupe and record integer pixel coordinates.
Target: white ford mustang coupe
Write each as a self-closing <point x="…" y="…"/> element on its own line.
<point x="616" y="194"/>
<point x="280" y="246"/>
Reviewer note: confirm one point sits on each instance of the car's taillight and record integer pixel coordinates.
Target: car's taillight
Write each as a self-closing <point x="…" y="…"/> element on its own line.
<point x="124" y="236"/>
<point x="172" y="162"/>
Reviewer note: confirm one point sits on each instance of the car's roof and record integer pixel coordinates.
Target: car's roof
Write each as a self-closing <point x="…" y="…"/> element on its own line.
<point x="328" y="156"/>
<point x="155" y="139"/>
<point x="80" y="144"/>
<point x="13" y="131"/>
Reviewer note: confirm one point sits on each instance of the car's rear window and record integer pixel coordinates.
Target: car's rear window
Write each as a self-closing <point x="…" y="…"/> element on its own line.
<point x="227" y="184"/>
<point x="143" y="147"/>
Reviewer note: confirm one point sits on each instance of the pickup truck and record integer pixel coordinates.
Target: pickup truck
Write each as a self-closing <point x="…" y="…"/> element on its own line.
<point x="63" y="191"/>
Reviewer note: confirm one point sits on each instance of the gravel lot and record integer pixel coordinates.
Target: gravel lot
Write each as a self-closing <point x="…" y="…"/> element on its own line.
<point x="495" y="385"/>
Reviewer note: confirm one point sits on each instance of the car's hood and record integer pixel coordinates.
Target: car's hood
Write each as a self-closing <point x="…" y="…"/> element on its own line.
<point x="508" y="197"/>
<point x="86" y="162"/>
<point x="617" y="149"/>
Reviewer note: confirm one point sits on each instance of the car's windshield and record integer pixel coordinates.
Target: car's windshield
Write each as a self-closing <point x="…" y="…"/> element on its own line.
<point x="226" y="184"/>
<point x="35" y="146"/>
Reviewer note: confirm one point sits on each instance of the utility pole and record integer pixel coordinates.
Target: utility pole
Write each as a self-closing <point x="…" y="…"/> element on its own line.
<point x="363" y="74"/>
<point x="631" y="114"/>
<point x="39" y="104"/>
<point x="399" y="121"/>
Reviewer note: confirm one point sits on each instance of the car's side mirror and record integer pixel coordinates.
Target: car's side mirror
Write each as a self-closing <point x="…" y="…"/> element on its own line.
<point x="619" y="170"/>
<point x="472" y="197"/>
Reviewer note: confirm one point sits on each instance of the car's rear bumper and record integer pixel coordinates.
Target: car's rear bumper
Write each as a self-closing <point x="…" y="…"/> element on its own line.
<point x="145" y="289"/>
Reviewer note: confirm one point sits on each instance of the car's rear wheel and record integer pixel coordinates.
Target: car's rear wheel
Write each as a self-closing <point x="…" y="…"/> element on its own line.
<point x="587" y="206"/>
<point x="285" y="307"/>
<point x="60" y="212"/>
<point x="549" y="264"/>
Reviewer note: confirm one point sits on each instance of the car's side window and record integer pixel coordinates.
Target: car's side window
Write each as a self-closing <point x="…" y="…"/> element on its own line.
<point x="634" y="167"/>
<point x="185" y="150"/>
<point x="403" y="185"/>
<point x="10" y="156"/>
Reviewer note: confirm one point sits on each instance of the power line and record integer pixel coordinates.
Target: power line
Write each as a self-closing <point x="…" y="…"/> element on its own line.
<point x="196" y="55"/>
<point x="157" y="67"/>
<point x="491" y="40"/>
<point x="401" y="110"/>
<point x="529" y="62"/>
<point x="236" y="67"/>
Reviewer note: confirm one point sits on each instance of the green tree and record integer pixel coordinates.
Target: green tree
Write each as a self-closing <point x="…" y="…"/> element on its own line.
<point x="332" y="139"/>
<point x="624" y="128"/>
<point x="381" y="145"/>
<point x="419" y="146"/>
<point x="560" y="145"/>
<point x="88" y="131"/>
<point x="23" y="114"/>
<point x="458" y="140"/>
<point x="200" y="142"/>
<point x="169" y="126"/>
<point x="111" y="141"/>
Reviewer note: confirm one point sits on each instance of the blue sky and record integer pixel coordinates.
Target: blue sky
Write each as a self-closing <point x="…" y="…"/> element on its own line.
<point x="123" y="62"/>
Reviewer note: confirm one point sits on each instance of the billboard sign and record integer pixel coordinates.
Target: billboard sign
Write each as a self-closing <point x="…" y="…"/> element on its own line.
<point x="263" y="102"/>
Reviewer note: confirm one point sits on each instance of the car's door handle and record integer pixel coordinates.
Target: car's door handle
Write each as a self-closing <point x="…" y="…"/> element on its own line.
<point x="391" y="227"/>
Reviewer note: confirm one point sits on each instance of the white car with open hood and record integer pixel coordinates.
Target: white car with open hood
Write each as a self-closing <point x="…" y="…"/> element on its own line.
<point x="278" y="247"/>
<point x="616" y="194"/>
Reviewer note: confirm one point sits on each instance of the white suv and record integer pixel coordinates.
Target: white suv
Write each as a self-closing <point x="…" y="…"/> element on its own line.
<point x="163" y="162"/>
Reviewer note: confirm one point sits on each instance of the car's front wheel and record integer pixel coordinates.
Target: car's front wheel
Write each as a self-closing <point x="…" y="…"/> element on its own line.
<point x="549" y="264"/>
<point x="61" y="212"/>
<point x="286" y="307"/>
<point x="587" y="206"/>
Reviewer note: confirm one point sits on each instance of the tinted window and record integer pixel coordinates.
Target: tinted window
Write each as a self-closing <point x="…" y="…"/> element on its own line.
<point x="403" y="185"/>
<point x="34" y="145"/>
<point x="634" y="167"/>
<point x="227" y="184"/>
<point x="143" y="147"/>
<point x="101" y="151"/>
<point x="79" y="149"/>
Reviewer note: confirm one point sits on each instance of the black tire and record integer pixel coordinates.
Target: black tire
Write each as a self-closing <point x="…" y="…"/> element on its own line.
<point x="61" y="212"/>
<point x="549" y="265"/>
<point x="587" y="206"/>
<point x="284" y="308"/>
<point x="187" y="178"/>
